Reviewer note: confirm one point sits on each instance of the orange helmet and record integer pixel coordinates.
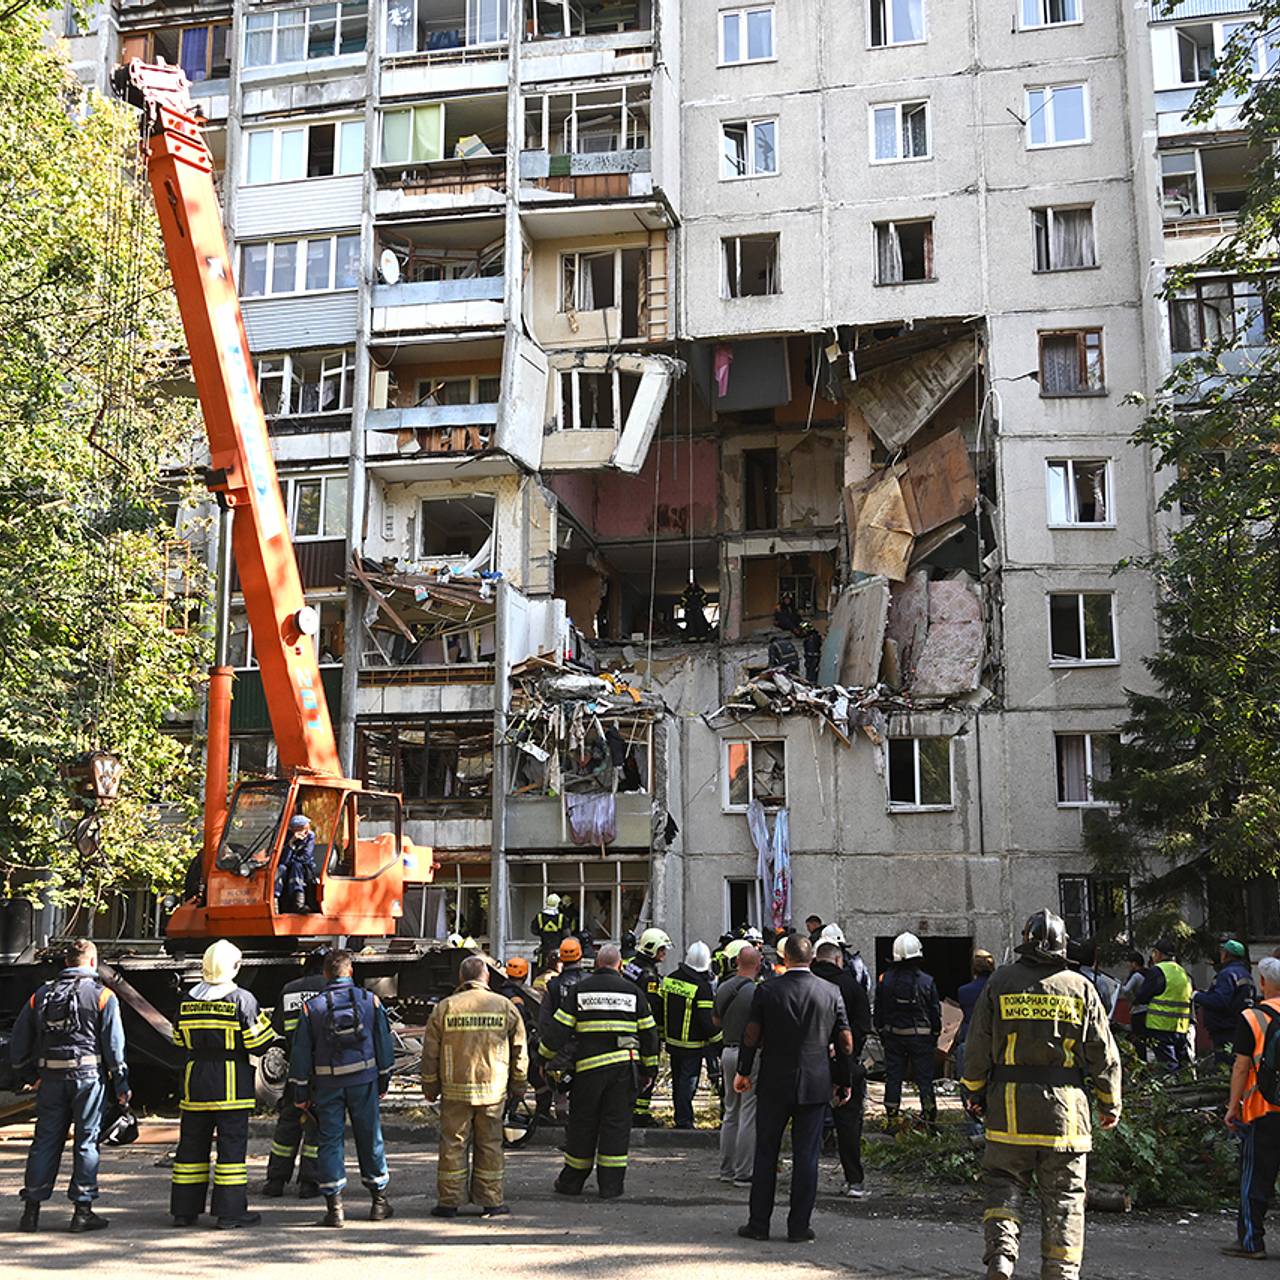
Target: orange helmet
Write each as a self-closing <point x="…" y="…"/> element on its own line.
<point x="518" y="968"/>
<point x="570" y="950"/>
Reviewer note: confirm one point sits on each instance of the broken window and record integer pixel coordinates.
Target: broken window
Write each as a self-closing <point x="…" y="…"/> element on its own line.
<point x="595" y="399"/>
<point x="413" y="135"/>
<point x="1071" y="363"/>
<point x="1049" y="13"/>
<point x="1082" y="627"/>
<point x="896" y="22"/>
<point x="1063" y="238"/>
<point x="755" y="770"/>
<point x="904" y="251"/>
<point x="297" y="35"/>
<point x="330" y="636"/>
<point x="304" y="151"/>
<point x="253" y="756"/>
<point x="1095" y="907"/>
<point x="443" y="766"/>
<point x="311" y="382"/>
<point x="456" y="528"/>
<point x="1057" y="115"/>
<point x="919" y="772"/>
<point x="1212" y="312"/>
<point x="746" y="35"/>
<point x="750" y="267"/>
<point x="900" y="131"/>
<point x="467" y="390"/>
<point x="1079" y="491"/>
<point x="760" y="489"/>
<point x="431" y="25"/>
<point x="1083" y="759"/>
<point x="588" y="122"/>
<point x="748" y="148"/>
<point x="605" y="896"/>
<point x="1180" y="188"/>
<point x="588" y="281"/>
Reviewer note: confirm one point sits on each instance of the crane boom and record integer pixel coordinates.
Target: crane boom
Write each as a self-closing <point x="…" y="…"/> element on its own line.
<point x="242" y="470"/>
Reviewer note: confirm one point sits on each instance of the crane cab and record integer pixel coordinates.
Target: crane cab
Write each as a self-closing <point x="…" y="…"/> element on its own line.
<point x="362" y="859"/>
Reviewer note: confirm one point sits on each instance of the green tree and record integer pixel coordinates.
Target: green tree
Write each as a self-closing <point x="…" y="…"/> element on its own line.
<point x="90" y="355"/>
<point x="1196" y="784"/>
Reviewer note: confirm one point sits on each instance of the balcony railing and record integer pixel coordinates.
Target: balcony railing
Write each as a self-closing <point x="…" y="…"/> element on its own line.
<point x="456" y="176"/>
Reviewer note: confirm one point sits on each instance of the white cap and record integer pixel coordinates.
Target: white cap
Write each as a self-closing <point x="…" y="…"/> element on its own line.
<point x="906" y="946"/>
<point x="221" y="963"/>
<point x="698" y="957"/>
<point x="832" y="933"/>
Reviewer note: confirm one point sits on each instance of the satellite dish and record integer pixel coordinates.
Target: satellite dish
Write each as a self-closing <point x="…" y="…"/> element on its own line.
<point x="389" y="267"/>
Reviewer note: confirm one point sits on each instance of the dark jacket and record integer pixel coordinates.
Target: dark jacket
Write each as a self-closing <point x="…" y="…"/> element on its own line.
<point x="558" y="988"/>
<point x="968" y="998"/>
<point x="607" y="1019"/>
<point x="907" y="1002"/>
<point x="91" y="1045"/>
<point x="284" y="1017"/>
<point x="297" y="870"/>
<point x="316" y="1061"/>
<point x="1231" y="992"/>
<point x="857" y="1007"/>
<point x="219" y="1027"/>
<point x="795" y="1022"/>
<point x="688" y="1005"/>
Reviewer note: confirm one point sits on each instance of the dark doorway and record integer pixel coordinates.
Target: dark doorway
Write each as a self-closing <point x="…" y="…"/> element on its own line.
<point x="946" y="960"/>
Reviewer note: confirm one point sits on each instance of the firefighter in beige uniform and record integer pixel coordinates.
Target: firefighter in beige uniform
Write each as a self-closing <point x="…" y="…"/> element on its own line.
<point x="474" y="1058"/>
<point x="1039" y="1032"/>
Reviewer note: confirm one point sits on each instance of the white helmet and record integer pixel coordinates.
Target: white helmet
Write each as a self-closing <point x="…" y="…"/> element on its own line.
<point x="221" y="963"/>
<point x="832" y="933"/>
<point x="553" y="901"/>
<point x="906" y="946"/>
<point x="753" y="936"/>
<point x="732" y="951"/>
<point x="652" y="941"/>
<point x="698" y="957"/>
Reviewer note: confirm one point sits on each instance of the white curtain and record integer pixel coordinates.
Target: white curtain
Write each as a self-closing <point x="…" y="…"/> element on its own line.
<point x="1060" y="365"/>
<point x="1072" y="244"/>
<point x="1072" y="784"/>
<point x="908" y="20"/>
<point x="400" y="26"/>
<point x="888" y="255"/>
<point x="886" y="134"/>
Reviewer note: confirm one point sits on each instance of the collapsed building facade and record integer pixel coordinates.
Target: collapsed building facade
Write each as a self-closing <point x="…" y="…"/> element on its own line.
<point x="705" y="432"/>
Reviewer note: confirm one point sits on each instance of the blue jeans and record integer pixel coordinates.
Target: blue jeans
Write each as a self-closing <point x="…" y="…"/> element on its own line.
<point x="62" y="1101"/>
<point x="332" y="1106"/>
<point x="686" y="1071"/>
<point x="1170" y="1049"/>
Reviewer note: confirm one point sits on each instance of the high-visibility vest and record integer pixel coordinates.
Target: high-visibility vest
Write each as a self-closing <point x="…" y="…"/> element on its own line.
<point x="1171" y="1009"/>
<point x="1254" y="1104"/>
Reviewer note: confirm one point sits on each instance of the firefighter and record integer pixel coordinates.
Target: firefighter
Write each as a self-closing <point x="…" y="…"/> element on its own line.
<point x="606" y="1026"/>
<point x="69" y="1038"/>
<point x="908" y="1016"/>
<point x="219" y="1025"/>
<point x="1039" y="1033"/>
<point x="549" y="927"/>
<point x="560" y="984"/>
<point x="646" y="972"/>
<point x="340" y="1067"/>
<point x="475" y="1060"/>
<point x="295" y="1128"/>
<point x="688" y="1008"/>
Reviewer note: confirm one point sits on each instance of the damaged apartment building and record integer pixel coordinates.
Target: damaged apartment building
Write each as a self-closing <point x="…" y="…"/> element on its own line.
<point x="705" y="432"/>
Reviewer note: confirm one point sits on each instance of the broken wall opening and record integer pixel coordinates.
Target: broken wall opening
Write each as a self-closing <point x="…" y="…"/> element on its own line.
<point x="441" y="766"/>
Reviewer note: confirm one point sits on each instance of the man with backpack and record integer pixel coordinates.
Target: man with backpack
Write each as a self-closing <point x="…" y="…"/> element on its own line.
<point x="908" y="1016"/>
<point x="68" y="1036"/>
<point x="1231" y="993"/>
<point x="340" y="1067"/>
<point x="1253" y="1111"/>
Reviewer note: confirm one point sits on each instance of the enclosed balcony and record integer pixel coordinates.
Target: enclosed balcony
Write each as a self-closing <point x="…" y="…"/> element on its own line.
<point x="1201" y="191"/>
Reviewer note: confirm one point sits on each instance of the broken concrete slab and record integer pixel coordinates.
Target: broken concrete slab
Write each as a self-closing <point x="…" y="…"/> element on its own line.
<point x="854" y="646"/>
<point x="900" y="398"/>
<point x="940" y="485"/>
<point x="909" y="620"/>
<point x="880" y="531"/>
<point x="951" y="659"/>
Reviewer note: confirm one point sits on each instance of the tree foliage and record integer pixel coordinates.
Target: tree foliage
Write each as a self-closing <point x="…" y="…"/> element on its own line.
<point x="90" y="352"/>
<point x="1196" y="783"/>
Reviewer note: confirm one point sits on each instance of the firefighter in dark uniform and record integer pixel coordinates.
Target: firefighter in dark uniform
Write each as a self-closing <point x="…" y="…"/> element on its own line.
<point x="689" y="1029"/>
<point x="549" y="926"/>
<point x="1039" y="1034"/>
<point x="219" y="1025"/>
<point x="606" y="1026"/>
<point x="295" y="1128"/>
<point x="645" y="970"/>
<point x="68" y="1036"/>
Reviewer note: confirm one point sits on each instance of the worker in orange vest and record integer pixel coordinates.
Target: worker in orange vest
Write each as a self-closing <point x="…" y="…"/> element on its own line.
<point x="1254" y="1112"/>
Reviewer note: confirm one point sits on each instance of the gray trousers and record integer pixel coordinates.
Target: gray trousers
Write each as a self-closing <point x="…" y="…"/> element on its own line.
<point x="738" y="1128"/>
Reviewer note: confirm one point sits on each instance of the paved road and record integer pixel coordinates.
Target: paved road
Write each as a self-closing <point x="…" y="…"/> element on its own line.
<point x="677" y="1224"/>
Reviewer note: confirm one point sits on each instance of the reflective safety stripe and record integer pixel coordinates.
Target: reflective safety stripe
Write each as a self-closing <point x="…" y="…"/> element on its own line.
<point x="1053" y="1142"/>
<point x="621" y="1028"/>
<point x="279" y="1149"/>
<point x="578" y="1162"/>
<point x="645" y="1023"/>
<point x="1041" y="1006"/>
<point x="310" y="1153"/>
<point x="974" y="1086"/>
<point x="651" y="1061"/>
<point x="190" y="1175"/>
<point x="260" y="1033"/>
<point x="567" y="1018"/>
<point x="69" y="1064"/>
<point x="222" y="1104"/>
<point x="603" y="1060"/>
<point x="688" y="1044"/>
<point x="612" y="1162"/>
<point x="1062" y="1252"/>
<point x="349" y="1069"/>
<point x="546" y="1051"/>
<point x="1001" y="1215"/>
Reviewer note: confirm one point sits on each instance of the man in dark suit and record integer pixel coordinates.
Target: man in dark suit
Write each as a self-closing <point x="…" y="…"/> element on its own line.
<point x="795" y="1022"/>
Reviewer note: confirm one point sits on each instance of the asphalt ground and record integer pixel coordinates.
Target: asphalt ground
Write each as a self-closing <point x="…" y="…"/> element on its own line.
<point x="677" y="1222"/>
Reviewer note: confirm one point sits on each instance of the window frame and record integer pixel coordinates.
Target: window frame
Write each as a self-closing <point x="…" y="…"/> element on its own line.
<point x="897" y="109"/>
<point x="1045" y="23"/>
<point x="1058" y="662"/>
<point x="410" y="109"/>
<point x="473" y="381"/>
<point x="1091" y="888"/>
<point x="750" y="125"/>
<point x="917" y="805"/>
<point x="1049" y="90"/>
<point x="306" y="25"/>
<point x="290" y="485"/>
<point x="577" y="256"/>
<point x="1110" y="493"/>
<point x="299" y="266"/>
<point x="741" y="17"/>
<point x="565" y="423"/>
<point x="727" y="293"/>
<point x="930" y="251"/>
<point x="1082" y="357"/>
<point x="277" y="132"/>
<point x="887" y="23"/>
<point x="1196" y="289"/>
<point x="1088" y="736"/>
<point x="726" y="805"/>
<point x="291" y="360"/>
<point x="1051" y="211"/>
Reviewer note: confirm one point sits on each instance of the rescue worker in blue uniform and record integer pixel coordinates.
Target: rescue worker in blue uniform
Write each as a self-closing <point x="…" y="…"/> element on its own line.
<point x="340" y="1067"/>
<point x="1229" y="995"/>
<point x="295" y="1128"/>
<point x="296" y="875"/>
<point x="219" y="1025"/>
<point x="908" y="1017"/>
<point x="69" y="1037"/>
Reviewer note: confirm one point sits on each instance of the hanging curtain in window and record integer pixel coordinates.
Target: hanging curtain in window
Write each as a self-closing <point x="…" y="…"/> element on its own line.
<point x="887" y="134"/>
<point x="400" y="26"/>
<point x="908" y="20"/>
<point x="1072" y="785"/>
<point x="1059" y="365"/>
<point x="888" y="255"/>
<point x="1098" y="486"/>
<point x="1073" y="238"/>
<point x="586" y="300"/>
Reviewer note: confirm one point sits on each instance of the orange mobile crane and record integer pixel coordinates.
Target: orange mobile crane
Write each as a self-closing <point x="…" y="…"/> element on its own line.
<point x="363" y="857"/>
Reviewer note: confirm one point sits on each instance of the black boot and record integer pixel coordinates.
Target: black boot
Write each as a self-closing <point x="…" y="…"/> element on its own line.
<point x="30" y="1216"/>
<point x="380" y="1207"/>
<point x="83" y="1218"/>
<point x="334" y="1215"/>
<point x="308" y="1190"/>
<point x="273" y="1188"/>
